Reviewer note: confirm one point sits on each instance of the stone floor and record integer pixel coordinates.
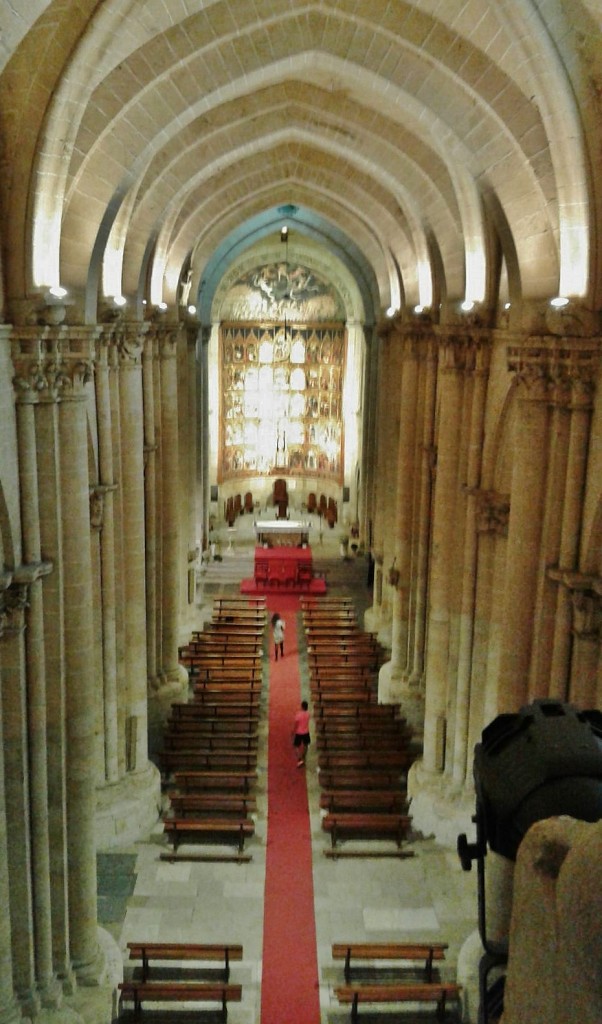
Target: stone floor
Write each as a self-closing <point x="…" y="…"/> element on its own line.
<point x="424" y="897"/>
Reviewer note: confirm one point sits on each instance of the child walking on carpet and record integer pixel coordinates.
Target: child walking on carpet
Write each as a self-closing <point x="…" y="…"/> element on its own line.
<point x="301" y="737"/>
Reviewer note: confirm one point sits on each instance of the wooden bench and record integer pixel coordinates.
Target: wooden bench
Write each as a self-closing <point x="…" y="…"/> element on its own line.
<point x="191" y="740"/>
<point x="362" y="778"/>
<point x="412" y="952"/>
<point x="232" y="639"/>
<point x="222" y="781"/>
<point x="366" y="825"/>
<point x="195" y="718"/>
<point x="357" y="726"/>
<point x="215" y="659"/>
<point x="230" y="728"/>
<point x="180" y="830"/>
<point x="374" y="712"/>
<point x="237" y="804"/>
<point x="180" y="992"/>
<point x="388" y="800"/>
<point x="227" y="709"/>
<point x="151" y="952"/>
<point x="433" y="992"/>
<point x="225" y="674"/>
<point x="341" y="743"/>
<point x="399" y="759"/>
<point x="335" y="696"/>
<point x="208" y="692"/>
<point x="216" y="760"/>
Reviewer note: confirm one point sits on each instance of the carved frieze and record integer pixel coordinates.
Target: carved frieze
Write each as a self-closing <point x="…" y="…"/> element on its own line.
<point x="52" y="363"/>
<point x="564" y="372"/>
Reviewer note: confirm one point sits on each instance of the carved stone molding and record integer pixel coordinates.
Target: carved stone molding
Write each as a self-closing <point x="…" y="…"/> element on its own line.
<point x="53" y="363"/>
<point x="565" y="372"/>
<point x="127" y="339"/>
<point x="586" y="597"/>
<point x="493" y="512"/>
<point x="14" y="595"/>
<point x="97" y="504"/>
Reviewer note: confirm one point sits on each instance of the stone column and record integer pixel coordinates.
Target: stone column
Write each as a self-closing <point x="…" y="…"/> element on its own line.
<point x="452" y="355"/>
<point x="469" y="567"/>
<point x="425" y="485"/>
<point x="74" y="356"/>
<point x="368" y="464"/>
<point x="103" y="519"/>
<point x="36" y="696"/>
<point x="582" y="389"/>
<point x="401" y="568"/>
<point x="10" y="1010"/>
<point x="171" y="672"/>
<point x="525" y="526"/>
<point x="150" y="505"/>
<point x="128" y="340"/>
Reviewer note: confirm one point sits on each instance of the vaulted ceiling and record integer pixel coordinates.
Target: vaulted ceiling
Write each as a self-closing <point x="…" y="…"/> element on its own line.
<point x="434" y="148"/>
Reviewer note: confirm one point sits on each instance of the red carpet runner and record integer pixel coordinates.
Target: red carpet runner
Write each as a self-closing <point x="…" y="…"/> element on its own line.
<point x="290" y="985"/>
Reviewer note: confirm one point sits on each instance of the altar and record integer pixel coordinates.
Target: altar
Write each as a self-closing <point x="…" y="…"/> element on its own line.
<point x="283" y="559"/>
<point x="282" y="533"/>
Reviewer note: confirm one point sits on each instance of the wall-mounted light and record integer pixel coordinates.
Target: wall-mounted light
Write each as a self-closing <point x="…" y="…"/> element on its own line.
<point x="119" y="300"/>
<point x="507" y="305"/>
<point x="467" y="306"/>
<point x="191" y="310"/>
<point x="57" y="291"/>
<point x="392" y="310"/>
<point x="284" y="233"/>
<point x="162" y="306"/>
<point x="559" y="301"/>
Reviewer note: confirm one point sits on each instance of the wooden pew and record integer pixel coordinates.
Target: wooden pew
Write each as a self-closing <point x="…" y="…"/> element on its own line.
<point x="193" y="715"/>
<point x="407" y="952"/>
<point x="226" y="674"/>
<point x="244" y="697"/>
<point x="388" y="800"/>
<point x="215" y="781"/>
<point x="342" y="673"/>
<point x="157" y="952"/>
<point x="227" y="709"/>
<point x="365" y="711"/>
<point x="400" y="759"/>
<point x="340" y="743"/>
<point x="215" y="760"/>
<point x="214" y="659"/>
<point x="357" y="695"/>
<point x="361" y="778"/>
<point x="366" y="825"/>
<point x="433" y="992"/>
<point x="180" y="992"/>
<point x="237" y="804"/>
<point x="360" y="726"/>
<point x="206" y="744"/>
<point x="338" y="659"/>
<point x="228" y="728"/>
<point x="219" y="627"/>
<point x="181" y="830"/>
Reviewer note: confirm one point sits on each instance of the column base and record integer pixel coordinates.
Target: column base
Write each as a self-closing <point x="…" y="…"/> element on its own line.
<point x="128" y="809"/>
<point x="439" y="809"/>
<point x="394" y="689"/>
<point x="90" y="1004"/>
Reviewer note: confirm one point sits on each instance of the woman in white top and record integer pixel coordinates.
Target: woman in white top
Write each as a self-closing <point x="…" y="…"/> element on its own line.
<point x="278" y="627"/>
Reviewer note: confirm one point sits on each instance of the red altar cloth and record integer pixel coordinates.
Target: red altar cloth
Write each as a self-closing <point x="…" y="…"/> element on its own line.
<point x="283" y="567"/>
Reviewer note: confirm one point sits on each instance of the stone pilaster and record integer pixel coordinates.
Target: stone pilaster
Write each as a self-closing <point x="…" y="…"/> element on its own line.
<point x="480" y="374"/>
<point x="425" y="486"/>
<point x="577" y="380"/>
<point x="10" y="601"/>
<point x="102" y="514"/>
<point x="128" y="340"/>
<point x="74" y="355"/>
<point x="452" y="361"/>
<point x="170" y="671"/>
<point x="525" y="524"/>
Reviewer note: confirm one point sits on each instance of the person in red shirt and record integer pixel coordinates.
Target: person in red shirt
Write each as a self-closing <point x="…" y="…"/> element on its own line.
<point x="301" y="737"/>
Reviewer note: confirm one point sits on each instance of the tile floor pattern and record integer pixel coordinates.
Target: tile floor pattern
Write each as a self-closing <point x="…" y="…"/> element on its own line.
<point x="426" y="897"/>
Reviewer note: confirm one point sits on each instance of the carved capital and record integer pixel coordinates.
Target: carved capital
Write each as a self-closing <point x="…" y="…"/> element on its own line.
<point x="128" y="339"/>
<point x="493" y="512"/>
<point x="53" y="363"/>
<point x="97" y="504"/>
<point x="564" y="371"/>
<point x="586" y="597"/>
<point x="14" y="595"/>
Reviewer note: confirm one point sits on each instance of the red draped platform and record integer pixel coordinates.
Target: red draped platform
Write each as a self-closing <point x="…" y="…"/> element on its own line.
<point x="288" y="570"/>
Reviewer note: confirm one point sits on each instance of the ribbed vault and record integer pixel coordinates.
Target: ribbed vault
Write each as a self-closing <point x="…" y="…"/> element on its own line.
<point x="415" y="129"/>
